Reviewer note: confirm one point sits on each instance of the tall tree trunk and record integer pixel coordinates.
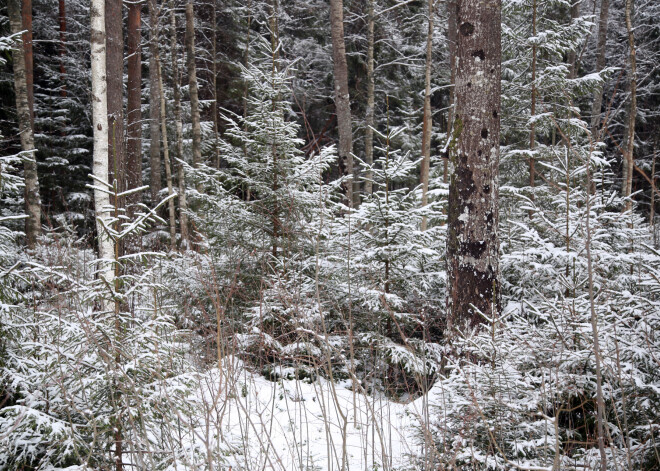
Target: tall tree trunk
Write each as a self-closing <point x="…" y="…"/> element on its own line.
<point x="452" y="29"/>
<point x="26" y="14"/>
<point x="532" y="129"/>
<point x="214" y="80"/>
<point x="369" y="116"/>
<point x="166" y="157"/>
<point x="62" y="46"/>
<point x="26" y="131"/>
<point x="133" y="173"/>
<point x="629" y="160"/>
<point x="183" y="204"/>
<point x="472" y="245"/>
<point x="342" y="98"/>
<point x="600" y="65"/>
<point x="427" y="124"/>
<point x="192" y="86"/>
<point x="115" y="83"/>
<point x="154" y="104"/>
<point x="572" y="56"/>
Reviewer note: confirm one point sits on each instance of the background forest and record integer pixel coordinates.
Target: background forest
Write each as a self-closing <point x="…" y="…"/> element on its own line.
<point x="257" y="276"/>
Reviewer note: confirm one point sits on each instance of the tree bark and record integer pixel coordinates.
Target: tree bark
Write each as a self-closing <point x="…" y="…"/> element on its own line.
<point x="532" y="128"/>
<point x="632" y="110"/>
<point x="342" y="99"/>
<point x="600" y="65"/>
<point x="183" y="205"/>
<point x="572" y="56"/>
<point x="133" y="174"/>
<point x="214" y="80"/>
<point x="451" y="40"/>
<point x="427" y="124"/>
<point x="369" y="116"/>
<point x="26" y="14"/>
<point x="25" y="130"/>
<point x="154" y="104"/>
<point x="192" y="86"/>
<point x="472" y="245"/>
<point x="115" y="85"/>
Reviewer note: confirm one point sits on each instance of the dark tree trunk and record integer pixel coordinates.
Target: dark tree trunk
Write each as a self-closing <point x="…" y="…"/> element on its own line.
<point x="62" y="48"/>
<point x="472" y="246"/>
<point x="115" y="79"/>
<point x="192" y="85"/>
<point x="600" y="64"/>
<point x="133" y="111"/>
<point x="154" y="104"/>
<point x="342" y="97"/>
<point x="26" y="13"/>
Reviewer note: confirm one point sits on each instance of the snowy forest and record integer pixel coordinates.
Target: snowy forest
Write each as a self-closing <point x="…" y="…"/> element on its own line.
<point x="347" y="235"/>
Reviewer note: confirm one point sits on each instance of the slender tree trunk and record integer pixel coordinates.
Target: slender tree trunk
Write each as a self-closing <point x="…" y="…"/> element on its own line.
<point x="572" y="56"/>
<point x="166" y="157"/>
<point x="600" y="65"/>
<point x="115" y="84"/>
<point x="472" y="245"/>
<point x="183" y="204"/>
<point x="629" y="159"/>
<point x="214" y="80"/>
<point x="192" y="86"/>
<point x="427" y="124"/>
<point x="133" y="173"/>
<point x="62" y="46"/>
<point x="369" y="118"/>
<point x="26" y="131"/>
<point x="342" y="98"/>
<point x="532" y="130"/>
<point x="154" y="104"/>
<point x="26" y="14"/>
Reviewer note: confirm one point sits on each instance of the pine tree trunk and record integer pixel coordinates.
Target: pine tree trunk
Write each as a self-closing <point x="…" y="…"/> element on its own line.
<point x="62" y="48"/>
<point x="26" y="131"/>
<point x="452" y="28"/>
<point x="133" y="174"/>
<point x="472" y="246"/>
<point x="183" y="204"/>
<point x="214" y="80"/>
<point x="427" y="124"/>
<point x="154" y="104"/>
<point x="342" y="98"/>
<point x="629" y="160"/>
<point x="572" y="56"/>
<point x="192" y="86"/>
<point x="369" y="116"/>
<point x="600" y="65"/>
<point x="115" y="82"/>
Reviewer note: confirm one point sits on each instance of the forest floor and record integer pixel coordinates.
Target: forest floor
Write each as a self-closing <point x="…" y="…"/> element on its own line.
<point x="292" y="424"/>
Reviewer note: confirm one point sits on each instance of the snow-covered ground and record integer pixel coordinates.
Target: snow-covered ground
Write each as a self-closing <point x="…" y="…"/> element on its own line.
<point x="297" y="425"/>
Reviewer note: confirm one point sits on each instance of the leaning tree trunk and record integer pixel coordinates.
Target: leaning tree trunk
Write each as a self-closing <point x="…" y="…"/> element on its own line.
<point x="154" y="104"/>
<point x="192" y="86"/>
<point x="133" y="172"/>
<point x="628" y="158"/>
<point x="472" y="245"/>
<point x="600" y="65"/>
<point x="427" y="124"/>
<point x="369" y="115"/>
<point x="26" y="131"/>
<point x="342" y="98"/>
<point x="183" y="205"/>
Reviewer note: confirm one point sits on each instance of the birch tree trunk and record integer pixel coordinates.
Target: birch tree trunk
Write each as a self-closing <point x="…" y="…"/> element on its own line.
<point x="133" y="173"/>
<point x="154" y="104"/>
<point x="600" y="65"/>
<point x="628" y="158"/>
<point x="102" y="206"/>
<point x="472" y="245"/>
<point x="26" y="131"/>
<point x="369" y="115"/>
<point x="342" y="98"/>
<point x="183" y="204"/>
<point x="427" y="124"/>
<point x="192" y="86"/>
